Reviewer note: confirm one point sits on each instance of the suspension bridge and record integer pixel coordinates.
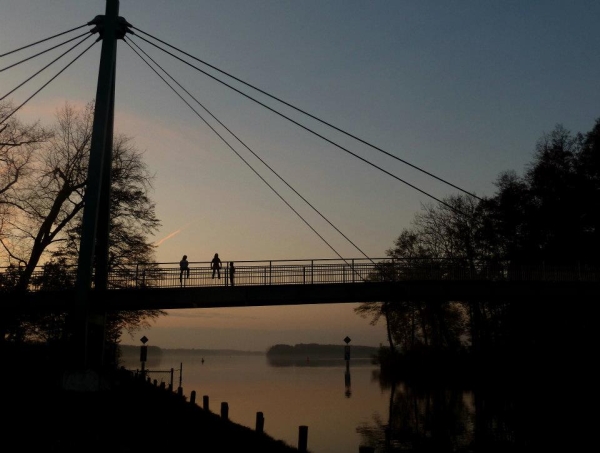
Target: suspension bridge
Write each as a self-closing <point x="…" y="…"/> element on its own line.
<point x="92" y="274"/>
<point x="300" y="282"/>
<point x="94" y="285"/>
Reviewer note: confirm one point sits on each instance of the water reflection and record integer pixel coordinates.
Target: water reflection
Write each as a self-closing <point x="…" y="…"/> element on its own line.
<point x="278" y="361"/>
<point x="490" y="417"/>
<point x="347" y="383"/>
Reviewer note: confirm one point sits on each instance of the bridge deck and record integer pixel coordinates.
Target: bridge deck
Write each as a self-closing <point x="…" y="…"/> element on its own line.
<point x="313" y="282"/>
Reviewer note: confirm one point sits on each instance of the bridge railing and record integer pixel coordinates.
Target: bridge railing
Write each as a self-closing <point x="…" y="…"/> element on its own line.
<point x="252" y="273"/>
<point x="317" y="271"/>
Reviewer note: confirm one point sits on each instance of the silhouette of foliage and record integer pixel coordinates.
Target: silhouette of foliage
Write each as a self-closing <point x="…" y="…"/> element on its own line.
<point x="549" y="215"/>
<point x="46" y="203"/>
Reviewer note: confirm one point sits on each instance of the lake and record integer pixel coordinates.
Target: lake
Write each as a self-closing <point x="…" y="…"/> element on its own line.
<point x="314" y="395"/>
<point x="344" y="411"/>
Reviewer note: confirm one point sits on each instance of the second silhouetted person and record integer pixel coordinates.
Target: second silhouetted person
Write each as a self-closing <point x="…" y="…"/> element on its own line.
<point x="215" y="264"/>
<point x="231" y="272"/>
<point x="183" y="268"/>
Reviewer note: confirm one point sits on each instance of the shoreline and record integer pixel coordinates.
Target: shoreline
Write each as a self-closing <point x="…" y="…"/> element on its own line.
<point x="127" y="414"/>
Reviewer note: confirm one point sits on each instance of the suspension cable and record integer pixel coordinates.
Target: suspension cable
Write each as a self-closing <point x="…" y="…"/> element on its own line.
<point x="43" y="40"/>
<point x="233" y="149"/>
<point x="46" y="84"/>
<point x="306" y="128"/>
<point x="312" y="116"/>
<point x="253" y="153"/>
<point x="52" y="62"/>
<point x="43" y="52"/>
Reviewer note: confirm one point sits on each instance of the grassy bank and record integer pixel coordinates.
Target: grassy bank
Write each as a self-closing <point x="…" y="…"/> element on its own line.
<point x="127" y="415"/>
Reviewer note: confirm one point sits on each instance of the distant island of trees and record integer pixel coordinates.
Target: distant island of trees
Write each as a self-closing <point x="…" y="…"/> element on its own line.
<point x="325" y="351"/>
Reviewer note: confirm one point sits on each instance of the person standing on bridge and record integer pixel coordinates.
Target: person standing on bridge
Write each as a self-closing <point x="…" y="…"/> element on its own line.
<point x="184" y="268"/>
<point x="231" y="272"/>
<point x="215" y="264"/>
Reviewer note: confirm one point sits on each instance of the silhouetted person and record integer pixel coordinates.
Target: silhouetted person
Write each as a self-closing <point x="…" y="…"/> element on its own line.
<point x="183" y="268"/>
<point x="231" y="272"/>
<point x="215" y="264"/>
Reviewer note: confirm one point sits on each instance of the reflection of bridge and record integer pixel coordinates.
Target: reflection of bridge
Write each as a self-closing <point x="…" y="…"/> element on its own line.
<point x="293" y="282"/>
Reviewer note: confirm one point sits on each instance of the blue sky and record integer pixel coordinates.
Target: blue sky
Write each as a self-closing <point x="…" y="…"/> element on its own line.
<point x="461" y="89"/>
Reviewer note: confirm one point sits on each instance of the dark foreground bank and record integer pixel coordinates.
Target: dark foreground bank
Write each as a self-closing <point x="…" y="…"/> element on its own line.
<point x="129" y="415"/>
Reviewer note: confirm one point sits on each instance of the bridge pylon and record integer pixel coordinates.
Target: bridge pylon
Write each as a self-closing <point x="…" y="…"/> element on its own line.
<point x="87" y="326"/>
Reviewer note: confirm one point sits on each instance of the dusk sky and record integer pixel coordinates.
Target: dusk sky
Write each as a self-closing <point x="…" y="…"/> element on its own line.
<point x="461" y="89"/>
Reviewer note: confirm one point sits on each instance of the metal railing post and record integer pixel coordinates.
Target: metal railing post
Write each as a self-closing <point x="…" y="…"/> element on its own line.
<point x="270" y="272"/>
<point x="353" y="271"/>
<point x="312" y="272"/>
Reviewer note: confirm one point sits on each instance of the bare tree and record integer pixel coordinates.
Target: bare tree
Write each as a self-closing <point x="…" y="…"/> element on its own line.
<point x="51" y="195"/>
<point x="50" y="198"/>
<point x="47" y="205"/>
<point x="18" y="144"/>
<point x="441" y="236"/>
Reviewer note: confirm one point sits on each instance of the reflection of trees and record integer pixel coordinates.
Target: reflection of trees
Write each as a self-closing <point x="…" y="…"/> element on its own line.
<point x="444" y="418"/>
<point x="278" y="361"/>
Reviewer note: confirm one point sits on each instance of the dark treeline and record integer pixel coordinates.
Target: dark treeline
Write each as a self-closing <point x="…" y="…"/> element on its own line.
<point x="314" y="350"/>
<point x="43" y="177"/>
<point x="156" y="351"/>
<point x="550" y="215"/>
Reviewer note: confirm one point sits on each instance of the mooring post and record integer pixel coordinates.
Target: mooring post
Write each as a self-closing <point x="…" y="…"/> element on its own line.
<point x="224" y="410"/>
<point x="205" y="402"/>
<point x="193" y="397"/>
<point x="302" y="438"/>
<point x="260" y="422"/>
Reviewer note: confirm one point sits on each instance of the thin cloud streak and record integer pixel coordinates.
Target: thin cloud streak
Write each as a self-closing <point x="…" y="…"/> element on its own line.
<point x="173" y="234"/>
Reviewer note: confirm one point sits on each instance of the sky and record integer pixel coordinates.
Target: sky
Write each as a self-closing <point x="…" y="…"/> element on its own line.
<point x="462" y="90"/>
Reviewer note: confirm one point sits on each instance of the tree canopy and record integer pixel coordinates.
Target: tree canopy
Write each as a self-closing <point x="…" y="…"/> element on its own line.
<point x="43" y="176"/>
<point x="550" y="214"/>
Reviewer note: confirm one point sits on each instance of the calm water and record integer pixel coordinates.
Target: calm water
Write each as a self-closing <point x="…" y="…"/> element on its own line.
<point x="367" y="411"/>
<point x="288" y="396"/>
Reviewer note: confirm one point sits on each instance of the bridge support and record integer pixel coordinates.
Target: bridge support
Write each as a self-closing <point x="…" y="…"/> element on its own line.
<point x="88" y="323"/>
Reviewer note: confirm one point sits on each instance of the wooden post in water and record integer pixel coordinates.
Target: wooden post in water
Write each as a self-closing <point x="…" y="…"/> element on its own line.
<point x="260" y="422"/>
<point x="180" y="373"/>
<point x="193" y="397"/>
<point x="224" y="410"/>
<point x="205" y="402"/>
<point x="302" y="438"/>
